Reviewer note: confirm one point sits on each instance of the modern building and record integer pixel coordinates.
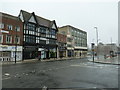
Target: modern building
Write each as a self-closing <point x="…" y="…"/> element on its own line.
<point x="11" y="37"/>
<point x="62" y="41"/>
<point x="76" y="41"/>
<point x="40" y="36"/>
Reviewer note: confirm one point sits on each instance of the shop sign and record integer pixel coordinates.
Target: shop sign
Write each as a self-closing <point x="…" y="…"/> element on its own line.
<point x="3" y="31"/>
<point x="10" y="48"/>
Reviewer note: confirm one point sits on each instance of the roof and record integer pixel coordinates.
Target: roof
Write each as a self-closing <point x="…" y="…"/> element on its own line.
<point x="40" y="20"/>
<point x="26" y="15"/>
<point x="73" y="27"/>
<point x="8" y="16"/>
<point x="43" y="22"/>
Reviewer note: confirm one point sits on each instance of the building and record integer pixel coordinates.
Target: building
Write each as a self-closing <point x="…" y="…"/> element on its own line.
<point x="106" y="49"/>
<point x="40" y="36"/>
<point x="11" y="37"/>
<point x="76" y="41"/>
<point x="62" y="49"/>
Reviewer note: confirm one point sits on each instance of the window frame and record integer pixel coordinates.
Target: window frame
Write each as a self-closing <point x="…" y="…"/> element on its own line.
<point x="9" y="38"/>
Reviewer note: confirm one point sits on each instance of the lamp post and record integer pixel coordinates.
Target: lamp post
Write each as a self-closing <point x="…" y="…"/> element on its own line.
<point x="97" y="40"/>
<point x="15" y="43"/>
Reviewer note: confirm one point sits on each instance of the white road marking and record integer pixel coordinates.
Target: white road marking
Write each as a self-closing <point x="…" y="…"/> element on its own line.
<point x="6" y="78"/>
<point x="81" y="65"/>
<point x="6" y="74"/>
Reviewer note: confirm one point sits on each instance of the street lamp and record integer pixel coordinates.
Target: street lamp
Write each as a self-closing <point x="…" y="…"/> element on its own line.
<point x="97" y="40"/>
<point x="15" y="43"/>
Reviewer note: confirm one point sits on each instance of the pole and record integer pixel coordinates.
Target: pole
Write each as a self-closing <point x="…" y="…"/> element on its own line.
<point x="15" y="44"/>
<point x="92" y="46"/>
<point x="93" y="56"/>
<point x="97" y="40"/>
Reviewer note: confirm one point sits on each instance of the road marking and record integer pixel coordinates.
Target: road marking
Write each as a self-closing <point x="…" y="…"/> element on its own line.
<point x="80" y="65"/>
<point x="6" y="74"/>
<point x="6" y="78"/>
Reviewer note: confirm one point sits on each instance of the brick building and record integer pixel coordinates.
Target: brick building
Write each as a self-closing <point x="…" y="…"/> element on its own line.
<point x="62" y="49"/>
<point x="11" y="37"/>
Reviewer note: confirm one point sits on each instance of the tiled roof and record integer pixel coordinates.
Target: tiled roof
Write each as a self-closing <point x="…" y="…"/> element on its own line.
<point x="26" y="15"/>
<point x="41" y="21"/>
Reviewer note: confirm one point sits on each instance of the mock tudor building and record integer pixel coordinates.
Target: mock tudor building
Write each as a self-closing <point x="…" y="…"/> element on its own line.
<point x="11" y="37"/>
<point x="76" y="41"/>
<point x="40" y="39"/>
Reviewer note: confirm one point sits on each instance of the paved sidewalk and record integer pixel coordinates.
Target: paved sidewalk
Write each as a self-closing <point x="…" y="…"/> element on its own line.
<point x="36" y="60"/>
<point x="113" y="60"/>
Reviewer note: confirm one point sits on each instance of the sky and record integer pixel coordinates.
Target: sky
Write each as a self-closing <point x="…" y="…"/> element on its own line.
<point x="82" y="14"/>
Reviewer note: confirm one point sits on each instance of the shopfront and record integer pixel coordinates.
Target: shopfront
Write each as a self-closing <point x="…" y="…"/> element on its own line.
<point x="7" y="53"/>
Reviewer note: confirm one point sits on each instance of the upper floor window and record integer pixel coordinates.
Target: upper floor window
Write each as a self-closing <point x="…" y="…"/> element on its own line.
<point x="42" y="29"/>
<point x="8" y="39"/>
<point x="17" y="40"/>
<point x="1" y="38"/>
<point x="17" y="28"/>
<point x="31" y="27"/>
<point x="1" y="25"/>
<point x="9" y="27"/>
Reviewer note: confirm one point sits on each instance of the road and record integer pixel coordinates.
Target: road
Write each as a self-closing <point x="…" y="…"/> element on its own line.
<point x="77" y="73"/>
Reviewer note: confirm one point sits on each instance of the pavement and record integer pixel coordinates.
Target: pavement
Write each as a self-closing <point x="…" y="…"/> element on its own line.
<point x="36" y="60"/>
<point x="112" y="60"/>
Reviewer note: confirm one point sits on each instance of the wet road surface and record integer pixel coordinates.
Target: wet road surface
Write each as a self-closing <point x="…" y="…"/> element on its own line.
<point x="78" y="73"/>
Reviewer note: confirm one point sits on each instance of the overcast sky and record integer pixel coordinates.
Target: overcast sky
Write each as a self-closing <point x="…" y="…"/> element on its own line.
<point x="82" y="14"/>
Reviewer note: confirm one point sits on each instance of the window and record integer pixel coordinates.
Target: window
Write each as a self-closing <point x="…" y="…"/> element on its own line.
<point x="53" y="34"/>
<point x="9" y="27"/>
<point x="17" y="40"/>
<point x="1" y="25"/>
<point x="30" y="39"/>
<point x="24" y="37"/>
<point x="69" y="39"/>
<point x="8" y="39"/>
<point x="47" y="42"/>
<point x="47" y="33"/>
<point x="37" y="39"/>
<point x="1" y="38"/>
<point x="17" y="28"/>
<point x="31" y="26"/>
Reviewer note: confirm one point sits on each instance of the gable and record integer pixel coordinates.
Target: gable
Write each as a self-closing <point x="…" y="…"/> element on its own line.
<point x="21" y="17"/>
<point x="53" y="26"/>
<point x="32" y="19"/>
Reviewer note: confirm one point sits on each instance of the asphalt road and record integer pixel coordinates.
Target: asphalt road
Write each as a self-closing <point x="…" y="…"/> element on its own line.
<point x="78" y="73"/>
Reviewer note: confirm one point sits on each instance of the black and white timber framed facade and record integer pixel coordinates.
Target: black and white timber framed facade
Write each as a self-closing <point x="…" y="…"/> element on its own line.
<point x="39" y="36"/>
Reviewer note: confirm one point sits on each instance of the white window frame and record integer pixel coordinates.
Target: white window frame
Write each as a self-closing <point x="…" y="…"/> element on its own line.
<point x="10" y="39"/>
<point x="9" y="27"/>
